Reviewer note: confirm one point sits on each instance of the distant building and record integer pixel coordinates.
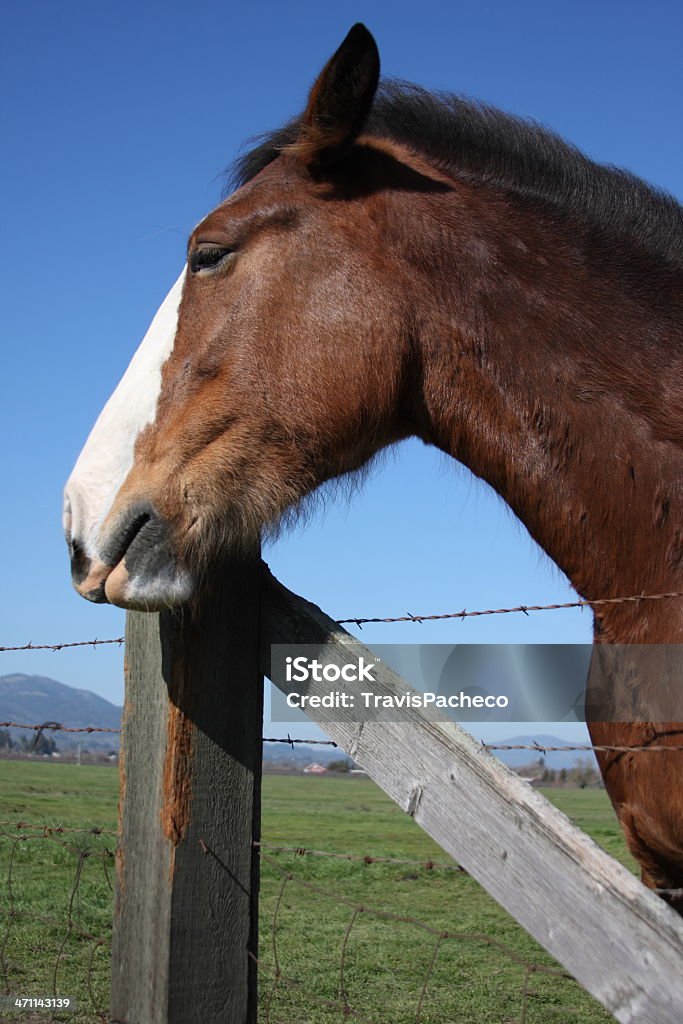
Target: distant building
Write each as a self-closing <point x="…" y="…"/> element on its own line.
<point x="315" y="769"/>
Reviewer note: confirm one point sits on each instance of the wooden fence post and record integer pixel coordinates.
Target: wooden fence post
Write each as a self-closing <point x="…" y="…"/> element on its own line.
<point x="187" y="871"/>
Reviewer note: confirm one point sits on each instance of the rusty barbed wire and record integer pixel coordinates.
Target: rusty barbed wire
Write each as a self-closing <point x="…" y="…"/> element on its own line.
<point x="70" y="925"/>
<point x="520" y="608"/>
<point x="57" y="829"/>
<point x="293" y="741"/>
<point x="359" y="911"/>
<point x="47" y="831"/>
<point x="56" y="727"/>
<point x="408" y="617"/>
<point x="584" y="747"/>
<point x="72" y="928"/>
<point x="24" y="832"/>
<point x="294" y="983"/>
<point x="367" y="858"/>
<point x="62" y="646"/>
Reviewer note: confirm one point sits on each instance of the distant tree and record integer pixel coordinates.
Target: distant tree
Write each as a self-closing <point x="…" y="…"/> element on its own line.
<point x="5" y="739"/>
<point x="584" y="773"/>
<point x="342" y="765"/>
<point x="45" y="744"/>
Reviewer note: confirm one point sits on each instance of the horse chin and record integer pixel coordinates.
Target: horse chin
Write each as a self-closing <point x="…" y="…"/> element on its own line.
<point x="171" y="586"/>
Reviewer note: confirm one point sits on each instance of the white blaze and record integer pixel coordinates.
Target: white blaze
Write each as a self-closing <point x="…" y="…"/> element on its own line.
<point x="107" y="456"/>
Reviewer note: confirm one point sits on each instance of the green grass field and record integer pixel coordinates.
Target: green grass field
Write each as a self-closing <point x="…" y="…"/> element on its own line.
<point x="478" y="975"/>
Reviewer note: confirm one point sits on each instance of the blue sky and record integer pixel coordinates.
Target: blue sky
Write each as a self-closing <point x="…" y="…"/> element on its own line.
<point x="117" y="123"/>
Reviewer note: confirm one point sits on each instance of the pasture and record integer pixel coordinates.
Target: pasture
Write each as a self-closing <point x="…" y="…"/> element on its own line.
<point x="473" y="978"/>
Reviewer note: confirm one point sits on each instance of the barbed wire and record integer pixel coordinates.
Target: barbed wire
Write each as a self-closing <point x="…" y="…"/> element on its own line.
<point x="408" y="617"/>
<point x="62" y="646"/>
<point x="290" y="741"/>
<point x="23" y="832"/>
<point x="72" y="928"/>
<point x="520" y="608"/>
<point x="362" y="858"/>
<point x="368" y="858"/>
<point x="47" y="830"/>
<point x="70" y="925"/>
<point x="359" y="911"/>
<point x="56" y="727"/>
<point x="587" y="747"/>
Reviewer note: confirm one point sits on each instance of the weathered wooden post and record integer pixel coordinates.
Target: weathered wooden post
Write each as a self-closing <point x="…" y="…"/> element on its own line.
<point x="187" y="871"/>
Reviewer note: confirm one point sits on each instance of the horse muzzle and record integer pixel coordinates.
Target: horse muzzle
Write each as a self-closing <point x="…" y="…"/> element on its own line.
<point x="134" y="566"/>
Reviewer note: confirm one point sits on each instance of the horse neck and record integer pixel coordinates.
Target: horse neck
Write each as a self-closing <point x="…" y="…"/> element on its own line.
<point x="552" y="380"/>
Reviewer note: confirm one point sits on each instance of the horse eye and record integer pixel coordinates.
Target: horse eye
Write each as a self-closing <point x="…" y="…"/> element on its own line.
<point x="208" y="258"/>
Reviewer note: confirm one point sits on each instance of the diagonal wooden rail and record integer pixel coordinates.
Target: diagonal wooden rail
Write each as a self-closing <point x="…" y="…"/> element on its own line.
<point x="620" y="941"/>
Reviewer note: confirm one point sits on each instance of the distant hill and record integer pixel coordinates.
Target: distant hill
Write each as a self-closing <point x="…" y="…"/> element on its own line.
<point x="38" y="699"/>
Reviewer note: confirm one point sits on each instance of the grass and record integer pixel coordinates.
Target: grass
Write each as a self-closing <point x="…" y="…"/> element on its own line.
<point x="477" y="975"/>
<point x="41" y="879"/>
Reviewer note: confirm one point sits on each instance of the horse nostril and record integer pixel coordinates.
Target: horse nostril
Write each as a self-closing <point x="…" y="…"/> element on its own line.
<point x="80" y="563"/>
<point x="128" y="528"/>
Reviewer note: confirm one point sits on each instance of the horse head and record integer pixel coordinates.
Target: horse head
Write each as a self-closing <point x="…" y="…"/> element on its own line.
<point x="277" y="361"/>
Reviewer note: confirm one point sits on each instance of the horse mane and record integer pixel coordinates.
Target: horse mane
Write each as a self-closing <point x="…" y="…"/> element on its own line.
<point x="469" y="140"/>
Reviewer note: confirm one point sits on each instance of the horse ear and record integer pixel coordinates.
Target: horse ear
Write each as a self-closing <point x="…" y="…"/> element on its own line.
<point x="340" y="100"/>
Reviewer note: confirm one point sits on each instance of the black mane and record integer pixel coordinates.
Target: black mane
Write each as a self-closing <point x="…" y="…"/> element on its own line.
<point x="467" y="139"/>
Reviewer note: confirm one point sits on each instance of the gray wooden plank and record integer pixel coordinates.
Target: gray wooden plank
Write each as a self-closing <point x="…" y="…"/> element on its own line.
<point x="620" y="941"/>
<point x="187" y="872"/>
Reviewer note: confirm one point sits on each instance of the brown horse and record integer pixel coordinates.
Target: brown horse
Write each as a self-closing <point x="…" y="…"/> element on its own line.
<point x="395" y="263"/>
